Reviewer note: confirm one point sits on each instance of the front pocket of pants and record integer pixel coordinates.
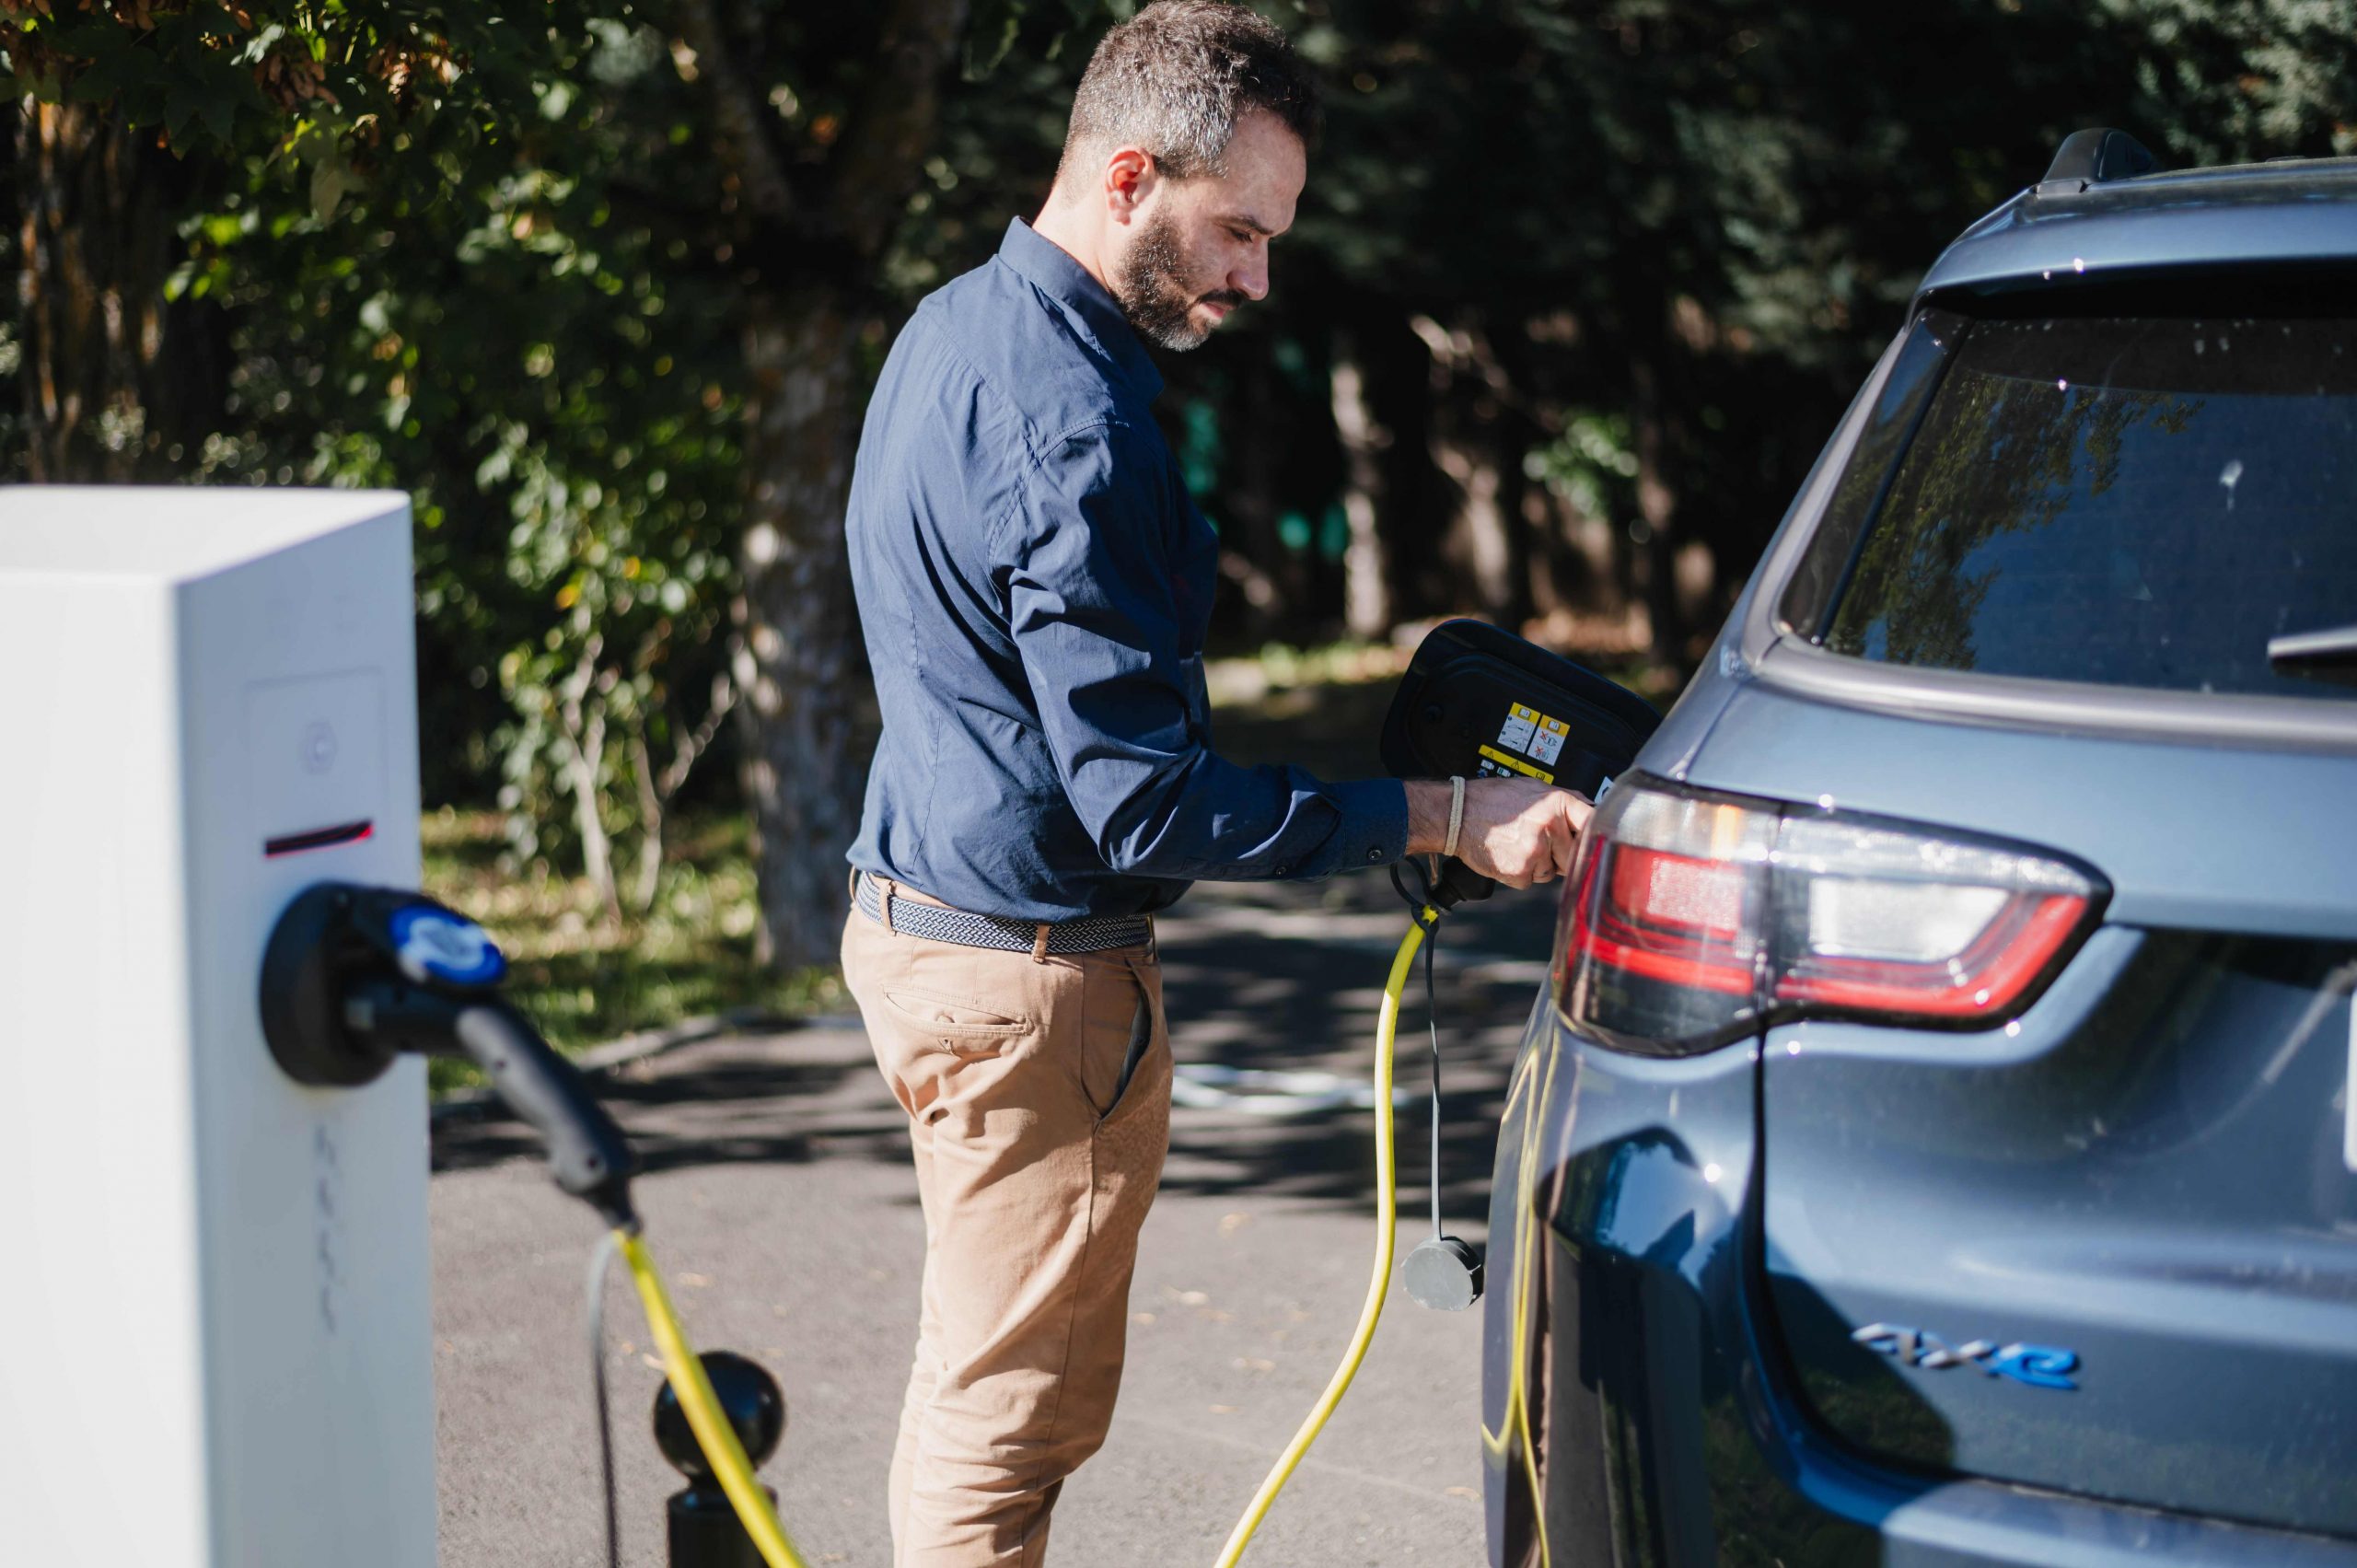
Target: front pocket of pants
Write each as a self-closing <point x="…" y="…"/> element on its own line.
<point x="1120" y="1006"/>
<point x="954" y="1023"/>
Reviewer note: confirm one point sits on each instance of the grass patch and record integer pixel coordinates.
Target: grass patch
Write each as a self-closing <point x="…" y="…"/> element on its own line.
<point x="584" y="981"/>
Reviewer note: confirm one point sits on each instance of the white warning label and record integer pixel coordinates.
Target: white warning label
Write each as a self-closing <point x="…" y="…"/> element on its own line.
<point x="1547" y="743"/>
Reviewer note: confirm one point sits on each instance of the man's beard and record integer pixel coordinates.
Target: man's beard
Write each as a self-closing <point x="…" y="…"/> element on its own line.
<point x="1152" y="289"/>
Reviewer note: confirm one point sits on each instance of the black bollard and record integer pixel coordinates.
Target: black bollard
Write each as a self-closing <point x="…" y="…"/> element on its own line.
<point x="704" y="1529"/>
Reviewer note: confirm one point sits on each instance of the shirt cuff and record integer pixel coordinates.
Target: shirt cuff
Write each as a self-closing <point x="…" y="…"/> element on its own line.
<point x="1373" y="830"/>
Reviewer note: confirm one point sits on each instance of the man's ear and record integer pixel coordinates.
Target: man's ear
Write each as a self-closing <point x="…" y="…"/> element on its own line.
<point x="1129" y="178"/>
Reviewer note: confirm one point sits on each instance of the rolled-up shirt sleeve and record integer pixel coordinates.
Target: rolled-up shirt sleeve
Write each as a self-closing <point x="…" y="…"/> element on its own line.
<point x="1087" y="557"/>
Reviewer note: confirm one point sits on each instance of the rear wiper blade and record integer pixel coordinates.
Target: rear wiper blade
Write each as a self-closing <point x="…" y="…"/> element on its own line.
<point x="2333" y="645"/>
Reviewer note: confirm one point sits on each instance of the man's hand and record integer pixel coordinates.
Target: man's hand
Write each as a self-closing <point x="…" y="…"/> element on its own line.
<point x="1518" y="830"/>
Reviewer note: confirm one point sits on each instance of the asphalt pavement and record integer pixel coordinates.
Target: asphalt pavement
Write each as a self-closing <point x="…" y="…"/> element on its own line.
<point x="779" y="1200"/>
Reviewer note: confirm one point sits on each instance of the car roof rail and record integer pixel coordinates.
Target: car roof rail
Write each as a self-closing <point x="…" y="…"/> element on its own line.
<point x="2092" y="157"/>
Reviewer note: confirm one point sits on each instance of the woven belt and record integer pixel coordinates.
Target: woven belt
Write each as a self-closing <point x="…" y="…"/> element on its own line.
<point x="1092" y="934"/>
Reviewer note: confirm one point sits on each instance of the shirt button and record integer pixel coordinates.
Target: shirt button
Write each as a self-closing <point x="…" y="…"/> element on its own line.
<point x="1374" y="857"/>
<point x="1283" y="870"/>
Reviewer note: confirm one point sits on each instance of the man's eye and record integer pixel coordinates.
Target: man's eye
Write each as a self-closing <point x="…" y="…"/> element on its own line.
<point x="1242" y="237"/>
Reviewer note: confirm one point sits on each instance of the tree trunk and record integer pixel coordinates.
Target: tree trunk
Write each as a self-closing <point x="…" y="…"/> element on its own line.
<point x="1366" y="588"/>
<point x="1513" y="515"/>
<point x="656" y="790"/>
<point x="1657" y="505"/>
<point x="802" y="679"/>
<point x="1480" y="521"/>
<point x="648" y="878"/>
<point x="1398" y="371"/>
<point x="802" y="771"/>
<point x="581" y="711"/>
<point x="115" y="380"/>
<point x="1248" y="497"/>
<point x="597" y="844"/>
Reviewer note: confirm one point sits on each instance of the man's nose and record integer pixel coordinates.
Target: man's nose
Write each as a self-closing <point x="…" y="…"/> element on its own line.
<point x="1251" y="279"/>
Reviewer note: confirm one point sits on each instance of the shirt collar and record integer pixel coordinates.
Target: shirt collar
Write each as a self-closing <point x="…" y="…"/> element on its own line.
<point x="1051" y="268"/>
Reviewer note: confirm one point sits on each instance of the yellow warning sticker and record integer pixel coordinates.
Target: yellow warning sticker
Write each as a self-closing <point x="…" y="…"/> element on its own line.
<point x="1516" y="764"/>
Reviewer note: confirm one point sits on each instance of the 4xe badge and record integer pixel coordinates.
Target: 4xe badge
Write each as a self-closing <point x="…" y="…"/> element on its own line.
<point x="2040" y="1367"/>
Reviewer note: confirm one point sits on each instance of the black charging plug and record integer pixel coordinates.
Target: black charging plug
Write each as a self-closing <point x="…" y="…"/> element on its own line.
<point x="355" y="977"/>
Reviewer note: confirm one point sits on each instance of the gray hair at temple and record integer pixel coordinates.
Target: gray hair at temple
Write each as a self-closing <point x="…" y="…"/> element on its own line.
<point x="1172" y="80"/>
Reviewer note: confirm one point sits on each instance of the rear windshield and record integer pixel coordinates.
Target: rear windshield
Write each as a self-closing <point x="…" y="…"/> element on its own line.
<point x="2129" y="500"/>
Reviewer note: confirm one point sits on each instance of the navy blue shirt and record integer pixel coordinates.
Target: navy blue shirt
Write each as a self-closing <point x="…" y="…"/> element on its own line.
<point x="1034" y="583"/>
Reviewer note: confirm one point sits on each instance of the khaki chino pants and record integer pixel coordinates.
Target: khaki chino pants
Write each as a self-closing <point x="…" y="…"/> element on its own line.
<point x="1035" y="1177"/>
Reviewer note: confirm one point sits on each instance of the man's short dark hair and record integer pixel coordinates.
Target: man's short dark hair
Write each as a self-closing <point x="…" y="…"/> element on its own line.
<point x="1174" y="79"/>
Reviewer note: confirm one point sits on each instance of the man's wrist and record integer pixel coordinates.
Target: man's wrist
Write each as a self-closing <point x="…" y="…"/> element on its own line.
<point x="1428" y="815"/>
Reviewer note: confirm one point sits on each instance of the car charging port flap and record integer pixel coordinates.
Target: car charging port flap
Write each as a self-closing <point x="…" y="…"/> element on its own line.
<point x="1693" y="917"/>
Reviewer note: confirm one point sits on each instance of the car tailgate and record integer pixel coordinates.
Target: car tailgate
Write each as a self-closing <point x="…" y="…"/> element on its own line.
<point x="2110" y="1247"/>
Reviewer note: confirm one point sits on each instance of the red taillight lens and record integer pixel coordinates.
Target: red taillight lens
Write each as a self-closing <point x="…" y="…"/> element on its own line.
<point x="1670" y="918"/>
<point x="1690" y="916"/>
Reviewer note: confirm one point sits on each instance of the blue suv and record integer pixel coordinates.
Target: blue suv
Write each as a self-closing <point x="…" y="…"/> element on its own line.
<point x="1938" y="1142"/>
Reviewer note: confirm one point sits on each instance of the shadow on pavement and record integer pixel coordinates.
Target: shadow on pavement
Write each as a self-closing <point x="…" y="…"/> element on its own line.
<point x="1270" y="976"/>
<point x="738" y="1100"/>
<point x="1275" y="976"/>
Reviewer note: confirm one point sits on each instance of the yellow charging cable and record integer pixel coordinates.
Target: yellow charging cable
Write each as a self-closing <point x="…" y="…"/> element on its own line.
<point x="1387" y="1209"/>
<point x="717" y="1438"/>
<point x="1515" y="1441"/>
<point x="727" y="1456"/>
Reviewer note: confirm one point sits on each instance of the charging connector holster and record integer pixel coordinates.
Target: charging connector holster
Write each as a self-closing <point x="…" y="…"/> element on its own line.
<point x="353" y="978"/>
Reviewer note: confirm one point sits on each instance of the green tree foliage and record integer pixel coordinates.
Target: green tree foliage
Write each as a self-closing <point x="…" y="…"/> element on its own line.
<point x="409" y="235"/>
<point x="2226" y="81"/>
<point x="557" y="272"/>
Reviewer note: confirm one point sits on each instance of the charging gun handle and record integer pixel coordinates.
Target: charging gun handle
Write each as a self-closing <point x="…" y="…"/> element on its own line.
<point x="588" y="1154"/>
<point x="1460" y="884"/>
<point x="1439" y="884"/>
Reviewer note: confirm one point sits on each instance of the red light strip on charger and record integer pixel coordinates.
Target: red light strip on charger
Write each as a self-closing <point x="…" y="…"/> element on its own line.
<point x="318" y="838"/>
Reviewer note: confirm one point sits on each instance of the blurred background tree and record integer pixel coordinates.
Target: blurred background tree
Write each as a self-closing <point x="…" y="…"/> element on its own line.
<point x="1577" y="290"/>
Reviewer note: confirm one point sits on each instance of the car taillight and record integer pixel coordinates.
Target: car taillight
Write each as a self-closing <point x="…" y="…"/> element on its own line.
<point x="1691" y="917"/>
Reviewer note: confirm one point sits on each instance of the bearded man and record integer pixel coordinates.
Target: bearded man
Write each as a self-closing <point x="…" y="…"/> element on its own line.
<point x="1034" y="585"/>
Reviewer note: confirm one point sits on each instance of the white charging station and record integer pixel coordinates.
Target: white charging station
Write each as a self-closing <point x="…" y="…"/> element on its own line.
<point x="213" y="1282"/>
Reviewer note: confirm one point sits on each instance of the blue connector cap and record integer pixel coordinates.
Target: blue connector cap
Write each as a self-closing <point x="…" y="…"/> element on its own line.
<point x="435" y="947"/>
